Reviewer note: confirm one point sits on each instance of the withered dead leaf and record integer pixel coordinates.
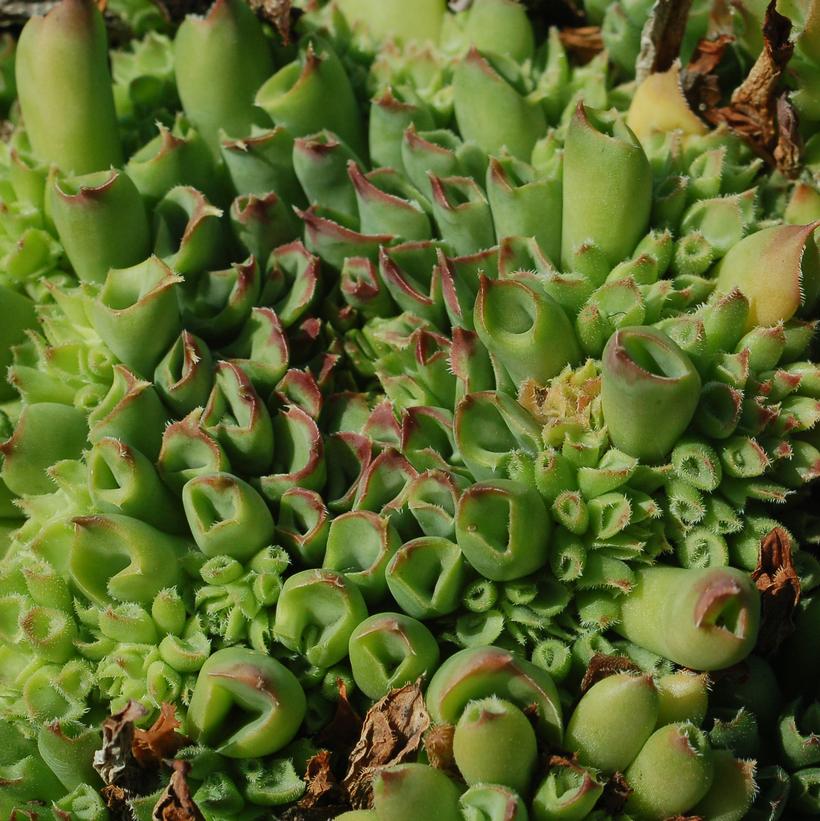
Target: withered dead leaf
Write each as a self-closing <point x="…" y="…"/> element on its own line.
<point x="116" y="800"/>
<point x="583" y="42"/>
<point x="176" y="803"/>
<point x="277" y="13"/>
<point x="115" y="761"/>
<point x="752" y="110"/>
<point x="661" y="37"/>
<point x="323" y="787"/>
<point x="789" y="144"/>
<point x="392" y="732"/>
<point x="438" y="744"/>
<point x="615" y="794"/>
<point x="698" y="79"/>
<point x="343" y="731"/>
<point x="602" y="666"/>
<point x="779" y="585"/>
<point x="570" y="761"/>
<point x="160" y="740"/>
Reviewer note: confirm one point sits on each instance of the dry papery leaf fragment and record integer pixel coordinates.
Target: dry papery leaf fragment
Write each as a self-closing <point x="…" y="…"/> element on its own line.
<point x="176" y="803"/>
<point x="130" y="760"/>
<point x="392" y="732"/>
<point x="160" y="741"/>
<point x="324" y="791"/>
<point x="698" y="79"/>
<point x="583" y="42"/>
<point x="758" y="111"/>
<point x="343" y="731"/>
<point x="115" y="761"/>
<point x="615" y="795"/>
<point x="438" y="744"/>
<point x="602" y="666"/>
<point x="279" y="13"/>
<point x="779" y="585"/>
<point x="662" y="36"/>
<point x="323" y="788"/>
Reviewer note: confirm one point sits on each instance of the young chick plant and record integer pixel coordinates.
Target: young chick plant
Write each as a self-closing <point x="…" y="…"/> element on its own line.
<point x="447" y="350"/>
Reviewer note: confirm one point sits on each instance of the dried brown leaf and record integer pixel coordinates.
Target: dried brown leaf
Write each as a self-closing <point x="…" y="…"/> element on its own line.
<point x="602" y="666"/>
<point x="789" y="145"/>
<point x="323" y="788"/>
<point x="698" y="79"/>
<point x="583" y="42"/>
<point x="392" y="732"/>
<point x="752" y="111"/>
<point x="615" y="794"/>
<point x="115" y="762"/>
<point x="438" y="744"/>
<point x="343" y="731"/>
<point x="116" y="800"/>
<point x="160" y="740"/>
<point x="708" y="53"/>
<point x="564" y="761"/>
<point x="779" y="586"/>
<point x="276" y="12"/>
<point x="176" y="803"/>
<point x="662" y="36"/>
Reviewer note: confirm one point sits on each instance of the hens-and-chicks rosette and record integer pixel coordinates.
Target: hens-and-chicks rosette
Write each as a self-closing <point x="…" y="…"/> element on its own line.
<point x="430" y="351"/>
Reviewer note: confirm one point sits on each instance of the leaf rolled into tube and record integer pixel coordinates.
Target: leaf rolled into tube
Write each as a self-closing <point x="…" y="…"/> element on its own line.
<point x="184" y="377"/>
<point x="491" y="110"/>
<point x="316" y="614"/>
<point x="320" y="162"/>
<point x="250" y="684"/>
<point x="136" y="313"/>
<point x="596" y="151"/>
<point x="226" y="516"/>
<point x="716" y="613"/>
<point x="403" y="792"/>
<point x="122" y="480"/>
<point x="648" y="384"/>
<point x="525" y="328"/>
<point x="178" y="156"/>
<point x="45" y="433"/>
<point x="74" y="81"/>
<point x="115" y="556"/>
<point x="679" y="748"/>
<point x="220" y="61"/>
<point x="389" y="650"/>
<point x="313" y="93"/>
<point x="131" y="411"/>
<point x="613" y="720"/>
<point x="101" y="221"/>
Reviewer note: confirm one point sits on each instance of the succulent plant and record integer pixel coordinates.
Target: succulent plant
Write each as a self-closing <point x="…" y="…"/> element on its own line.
<point x="424" y="366"/>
